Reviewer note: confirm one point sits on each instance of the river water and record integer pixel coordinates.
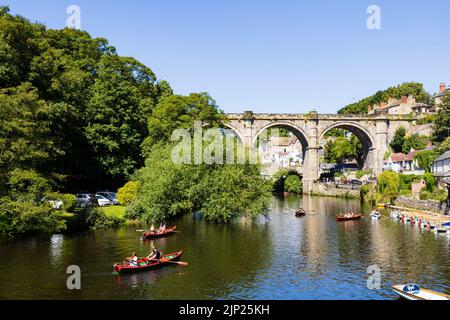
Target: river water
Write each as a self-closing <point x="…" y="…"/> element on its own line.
<point x="281" y="258"/>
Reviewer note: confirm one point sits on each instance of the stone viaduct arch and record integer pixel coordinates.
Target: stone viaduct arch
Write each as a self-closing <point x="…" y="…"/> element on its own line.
<point x="375" y="133"/>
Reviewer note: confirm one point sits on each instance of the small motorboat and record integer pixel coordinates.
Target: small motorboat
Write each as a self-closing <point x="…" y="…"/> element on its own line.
<point x="396" y="214"/>
<point x="348" y="217"/>
<point x="300" y="213"/>
<point x="375" y="215"/>
<point x="441" y="230"/>
<point x="414" y="292"/>
<point x="146" y="263"/>
<point x="159" y="234"/>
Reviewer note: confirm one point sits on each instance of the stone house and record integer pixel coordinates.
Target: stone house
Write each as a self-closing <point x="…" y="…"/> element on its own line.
<point x="403" y="163"/>
<point x="443" y="90"/>
<point x="404" y="106"/>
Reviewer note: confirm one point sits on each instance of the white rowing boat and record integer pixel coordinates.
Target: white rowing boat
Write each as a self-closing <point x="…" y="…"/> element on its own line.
<point x="414" y="292"/>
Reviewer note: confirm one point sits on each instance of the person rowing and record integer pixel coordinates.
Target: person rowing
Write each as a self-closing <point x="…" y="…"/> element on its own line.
<point x="134" y="260"/>
<point x="155" y="254"/>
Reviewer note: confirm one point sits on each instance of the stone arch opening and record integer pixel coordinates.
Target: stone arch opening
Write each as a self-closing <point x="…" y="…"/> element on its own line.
<point x="364" y="159"/>
<point x="228" y="129"/>
<point x="282" y="152"/>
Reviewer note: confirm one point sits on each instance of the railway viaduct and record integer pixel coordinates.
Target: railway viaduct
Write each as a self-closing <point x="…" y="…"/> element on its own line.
<point x="374" y="132"/>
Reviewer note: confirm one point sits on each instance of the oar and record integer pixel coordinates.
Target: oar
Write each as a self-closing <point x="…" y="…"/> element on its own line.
<point x="175" y="262"/>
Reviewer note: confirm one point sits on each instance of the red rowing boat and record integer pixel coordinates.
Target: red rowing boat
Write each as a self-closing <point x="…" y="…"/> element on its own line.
<point x="155" y="234"/>
<point x="349" y="218"/>
<point x="146" y="264"/>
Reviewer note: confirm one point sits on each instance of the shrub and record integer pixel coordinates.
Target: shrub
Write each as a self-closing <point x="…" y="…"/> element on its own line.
<point x="388" y="184"/>
<point x="293" y="184"/>
<point x="127" y="194"/>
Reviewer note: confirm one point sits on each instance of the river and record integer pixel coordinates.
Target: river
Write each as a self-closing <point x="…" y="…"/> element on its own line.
<point x="284" y="257"/>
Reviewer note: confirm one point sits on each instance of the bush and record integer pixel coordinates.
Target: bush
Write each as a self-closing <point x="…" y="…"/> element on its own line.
<point x="425" y="195"/>
<point x="127" y="194"/>
<point x="293" y="184"/>
<point x="406" y="181"/>
<point x="388" y="184"/>
<point x="18" y="218"/>
<point x="430" y="181"/>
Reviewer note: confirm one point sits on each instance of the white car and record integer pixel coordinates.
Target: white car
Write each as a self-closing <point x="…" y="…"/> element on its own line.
<point x="102" y="201"/>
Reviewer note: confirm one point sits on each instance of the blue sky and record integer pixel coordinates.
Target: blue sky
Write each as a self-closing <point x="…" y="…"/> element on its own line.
<point x="270" y="56"/>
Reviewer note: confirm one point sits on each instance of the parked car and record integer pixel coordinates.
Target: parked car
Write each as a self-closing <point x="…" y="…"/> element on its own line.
<point x="111" y="196"/>
<point x="86" y="200"/>
<point x="102" y="201"/>
<point x="55" y="203"/>
<point x="356" y="182"/>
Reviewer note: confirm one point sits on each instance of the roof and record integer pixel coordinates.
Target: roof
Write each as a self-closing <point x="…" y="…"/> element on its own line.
<point x="441" y="94"/>
<point x="397" y="157"/>
<point x="410" y="156"/>
<point x="443" y="157"/>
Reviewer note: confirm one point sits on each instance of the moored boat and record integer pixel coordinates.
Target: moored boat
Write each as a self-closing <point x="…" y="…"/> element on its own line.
<point x="414" y="292"/>
<point x="375" y="214"/>
<point x="147" y="264"/>
<point x="348" y="217"/>
<point x="156" y="234"/>
<point x="300" y="213"/>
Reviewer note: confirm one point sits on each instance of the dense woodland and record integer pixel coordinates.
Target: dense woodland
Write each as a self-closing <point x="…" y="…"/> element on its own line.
<point x="76" y="116"/>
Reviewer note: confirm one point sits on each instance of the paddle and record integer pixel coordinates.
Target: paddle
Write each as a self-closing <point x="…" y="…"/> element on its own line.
<point x="175" y="262"/>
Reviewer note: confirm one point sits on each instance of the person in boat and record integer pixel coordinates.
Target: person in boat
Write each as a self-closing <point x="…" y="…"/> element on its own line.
<point x="152" y="229"/>
<point x="155" y="254"/>
<point x="162" y="228"/>
<point x="134" y="260"/>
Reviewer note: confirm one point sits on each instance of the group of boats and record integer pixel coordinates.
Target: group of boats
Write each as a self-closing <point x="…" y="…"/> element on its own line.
<point x="421" y="223"/>
<point x="147" y="263"/>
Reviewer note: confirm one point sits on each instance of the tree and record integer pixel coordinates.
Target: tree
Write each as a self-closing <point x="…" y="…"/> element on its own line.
<point x="388" y="184"/>
<point x="414" y="142"/>
<point x="443" y="147"/>
<point x="442" y="122"/>
<point x="410" y="88"/>
<point x="221" y="193"/>
<point x="425" y="159"/>
<point x="124" y="95"/>
<point x="180" y="112"/>
<point x="342" y="149"/>
<point x="398" y="140"/>
<point x="293" y="184"/>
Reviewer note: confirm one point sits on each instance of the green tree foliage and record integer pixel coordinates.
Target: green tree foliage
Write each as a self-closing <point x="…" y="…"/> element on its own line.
<point x="405" y="89"/>
<point x="398" y="140"/>
<point x="442" y="122"/>
<point x="388" y="184"/>
<point x="293" y="184"/>
<point x="342" y="149"/>
<point x="443" y="147"/>
<point x="127" y="194"/>
<point x="220" y="192"/>
<point x="414" y="142"/>
<point x="425" y="159"/>
<point x="430" y="182"/>
<point x="180" y="112"/>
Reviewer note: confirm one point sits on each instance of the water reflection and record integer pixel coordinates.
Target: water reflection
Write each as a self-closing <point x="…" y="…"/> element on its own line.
<point x="311" y="257"/>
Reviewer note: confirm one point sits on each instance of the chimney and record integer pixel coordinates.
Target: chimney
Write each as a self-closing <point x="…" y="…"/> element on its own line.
<point x="442" y="87"/>
<point x="369" y="109"/>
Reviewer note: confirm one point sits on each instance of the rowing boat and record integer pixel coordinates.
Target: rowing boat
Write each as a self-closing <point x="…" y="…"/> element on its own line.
<point x="300" y="213"/>
<point x="414" y="292"/>
<point x="375" y="214"/>
<point x="154" y="234"/>
<point x="349" y="218"/>
<point x="146" y="263"/>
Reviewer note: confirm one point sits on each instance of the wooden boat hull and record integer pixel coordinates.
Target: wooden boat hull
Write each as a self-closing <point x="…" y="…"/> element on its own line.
<point x="165" y="260"/>
<point x="422" y="294"/>
<point x="300" y="213"/>
<point x="168" y="231"/>
<point x="342" y="219"/>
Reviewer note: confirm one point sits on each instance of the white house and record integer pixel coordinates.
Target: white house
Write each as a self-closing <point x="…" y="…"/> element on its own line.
<point x="441" y="167"/>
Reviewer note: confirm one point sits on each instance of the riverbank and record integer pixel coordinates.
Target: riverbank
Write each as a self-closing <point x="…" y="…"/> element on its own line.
<point x="433" y="218"/>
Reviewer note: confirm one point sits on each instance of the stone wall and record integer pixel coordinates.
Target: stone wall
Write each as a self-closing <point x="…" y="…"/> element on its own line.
<point x="425" y="205"/>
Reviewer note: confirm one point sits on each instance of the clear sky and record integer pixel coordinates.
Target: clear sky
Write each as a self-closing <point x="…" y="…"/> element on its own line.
<point x="270" y="56"/>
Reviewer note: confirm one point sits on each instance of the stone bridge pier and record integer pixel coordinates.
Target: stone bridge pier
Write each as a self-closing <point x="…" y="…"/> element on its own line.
<point x="375" y="134"/>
